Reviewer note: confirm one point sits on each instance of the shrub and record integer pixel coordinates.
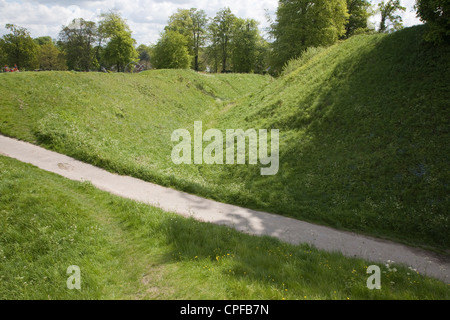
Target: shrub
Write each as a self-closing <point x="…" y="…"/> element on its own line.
<point x="435" y="13"/>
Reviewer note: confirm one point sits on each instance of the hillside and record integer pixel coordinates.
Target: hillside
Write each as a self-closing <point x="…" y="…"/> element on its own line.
<point x="363" y="132"/>
<point x="122" y="122"/>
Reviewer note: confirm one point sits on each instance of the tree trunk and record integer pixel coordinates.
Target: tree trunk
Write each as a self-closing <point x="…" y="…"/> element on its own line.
<point x="224" y="55"/>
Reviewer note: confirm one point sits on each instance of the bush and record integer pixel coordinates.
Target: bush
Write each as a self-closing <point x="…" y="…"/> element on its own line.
<point x="435" y="13"/>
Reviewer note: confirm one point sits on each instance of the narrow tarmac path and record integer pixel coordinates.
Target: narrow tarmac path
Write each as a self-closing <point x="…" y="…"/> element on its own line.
<point x="244" y="220"/>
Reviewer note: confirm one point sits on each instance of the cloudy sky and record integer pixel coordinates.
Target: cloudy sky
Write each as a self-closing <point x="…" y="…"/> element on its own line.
<point x="146" y="18"/>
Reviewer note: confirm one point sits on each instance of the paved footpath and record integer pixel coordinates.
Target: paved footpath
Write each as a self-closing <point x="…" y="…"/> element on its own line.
<point x="245" y="220"/>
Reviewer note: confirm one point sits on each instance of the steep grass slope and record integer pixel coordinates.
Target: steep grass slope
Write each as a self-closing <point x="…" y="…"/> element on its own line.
<point x="365" y="138"/>
<point x="126" y="250"/>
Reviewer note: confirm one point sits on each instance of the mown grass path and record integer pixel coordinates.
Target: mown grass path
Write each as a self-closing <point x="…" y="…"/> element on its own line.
<point x="245" y="220"/>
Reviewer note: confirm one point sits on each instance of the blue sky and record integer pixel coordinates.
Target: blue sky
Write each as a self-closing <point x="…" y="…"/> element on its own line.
<point x="146" y="18"/>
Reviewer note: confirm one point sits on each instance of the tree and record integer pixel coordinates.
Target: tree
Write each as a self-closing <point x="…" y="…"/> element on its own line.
<point x="51" y="58"/>
<point x="2" y="56"/>
<point x="171" y="51"/>
<point x="119" y="50"/>
<point x="246" y="39"/>
<point x="306" y="23"/>
<point x="262" y="56"/>
<point x="436" y="15"/>
<point x="77" y="41"/>
<point x="192" y="24"/>
<point x="213" y="50"/>
<point x="221" y="31"/>
<point x="19" y="48"/>
<point x="144" y="54"/>
<point x="359" y="14"/>
<point x="388" y="12"/>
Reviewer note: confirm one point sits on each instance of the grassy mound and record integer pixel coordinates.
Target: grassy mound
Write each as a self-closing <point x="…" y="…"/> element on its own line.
<point x="363" y="127"/>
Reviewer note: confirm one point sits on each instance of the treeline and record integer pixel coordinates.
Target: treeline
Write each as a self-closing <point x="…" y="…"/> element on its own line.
<point x="223" y="43"/>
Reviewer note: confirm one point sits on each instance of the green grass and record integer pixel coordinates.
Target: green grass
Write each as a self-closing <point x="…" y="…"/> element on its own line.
<point x="127" y="250"/>
<point x="364" y="133"/>
<point x="364" y="130"/>
<point x="120" y="122"/>
<point x="363" y="124"/>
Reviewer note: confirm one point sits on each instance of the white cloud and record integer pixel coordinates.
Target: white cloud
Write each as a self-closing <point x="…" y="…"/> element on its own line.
<point x="146" y="18"/>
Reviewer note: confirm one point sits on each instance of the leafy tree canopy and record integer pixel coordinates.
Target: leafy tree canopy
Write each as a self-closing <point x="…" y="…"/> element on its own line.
<point x="436" y="15"/>
<point x="77" y="39"/>
<point x="120" y="49"/>
<point x="390" y="20"/>
<point x="191" y="23"/>
<point x="359" y="14"/>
